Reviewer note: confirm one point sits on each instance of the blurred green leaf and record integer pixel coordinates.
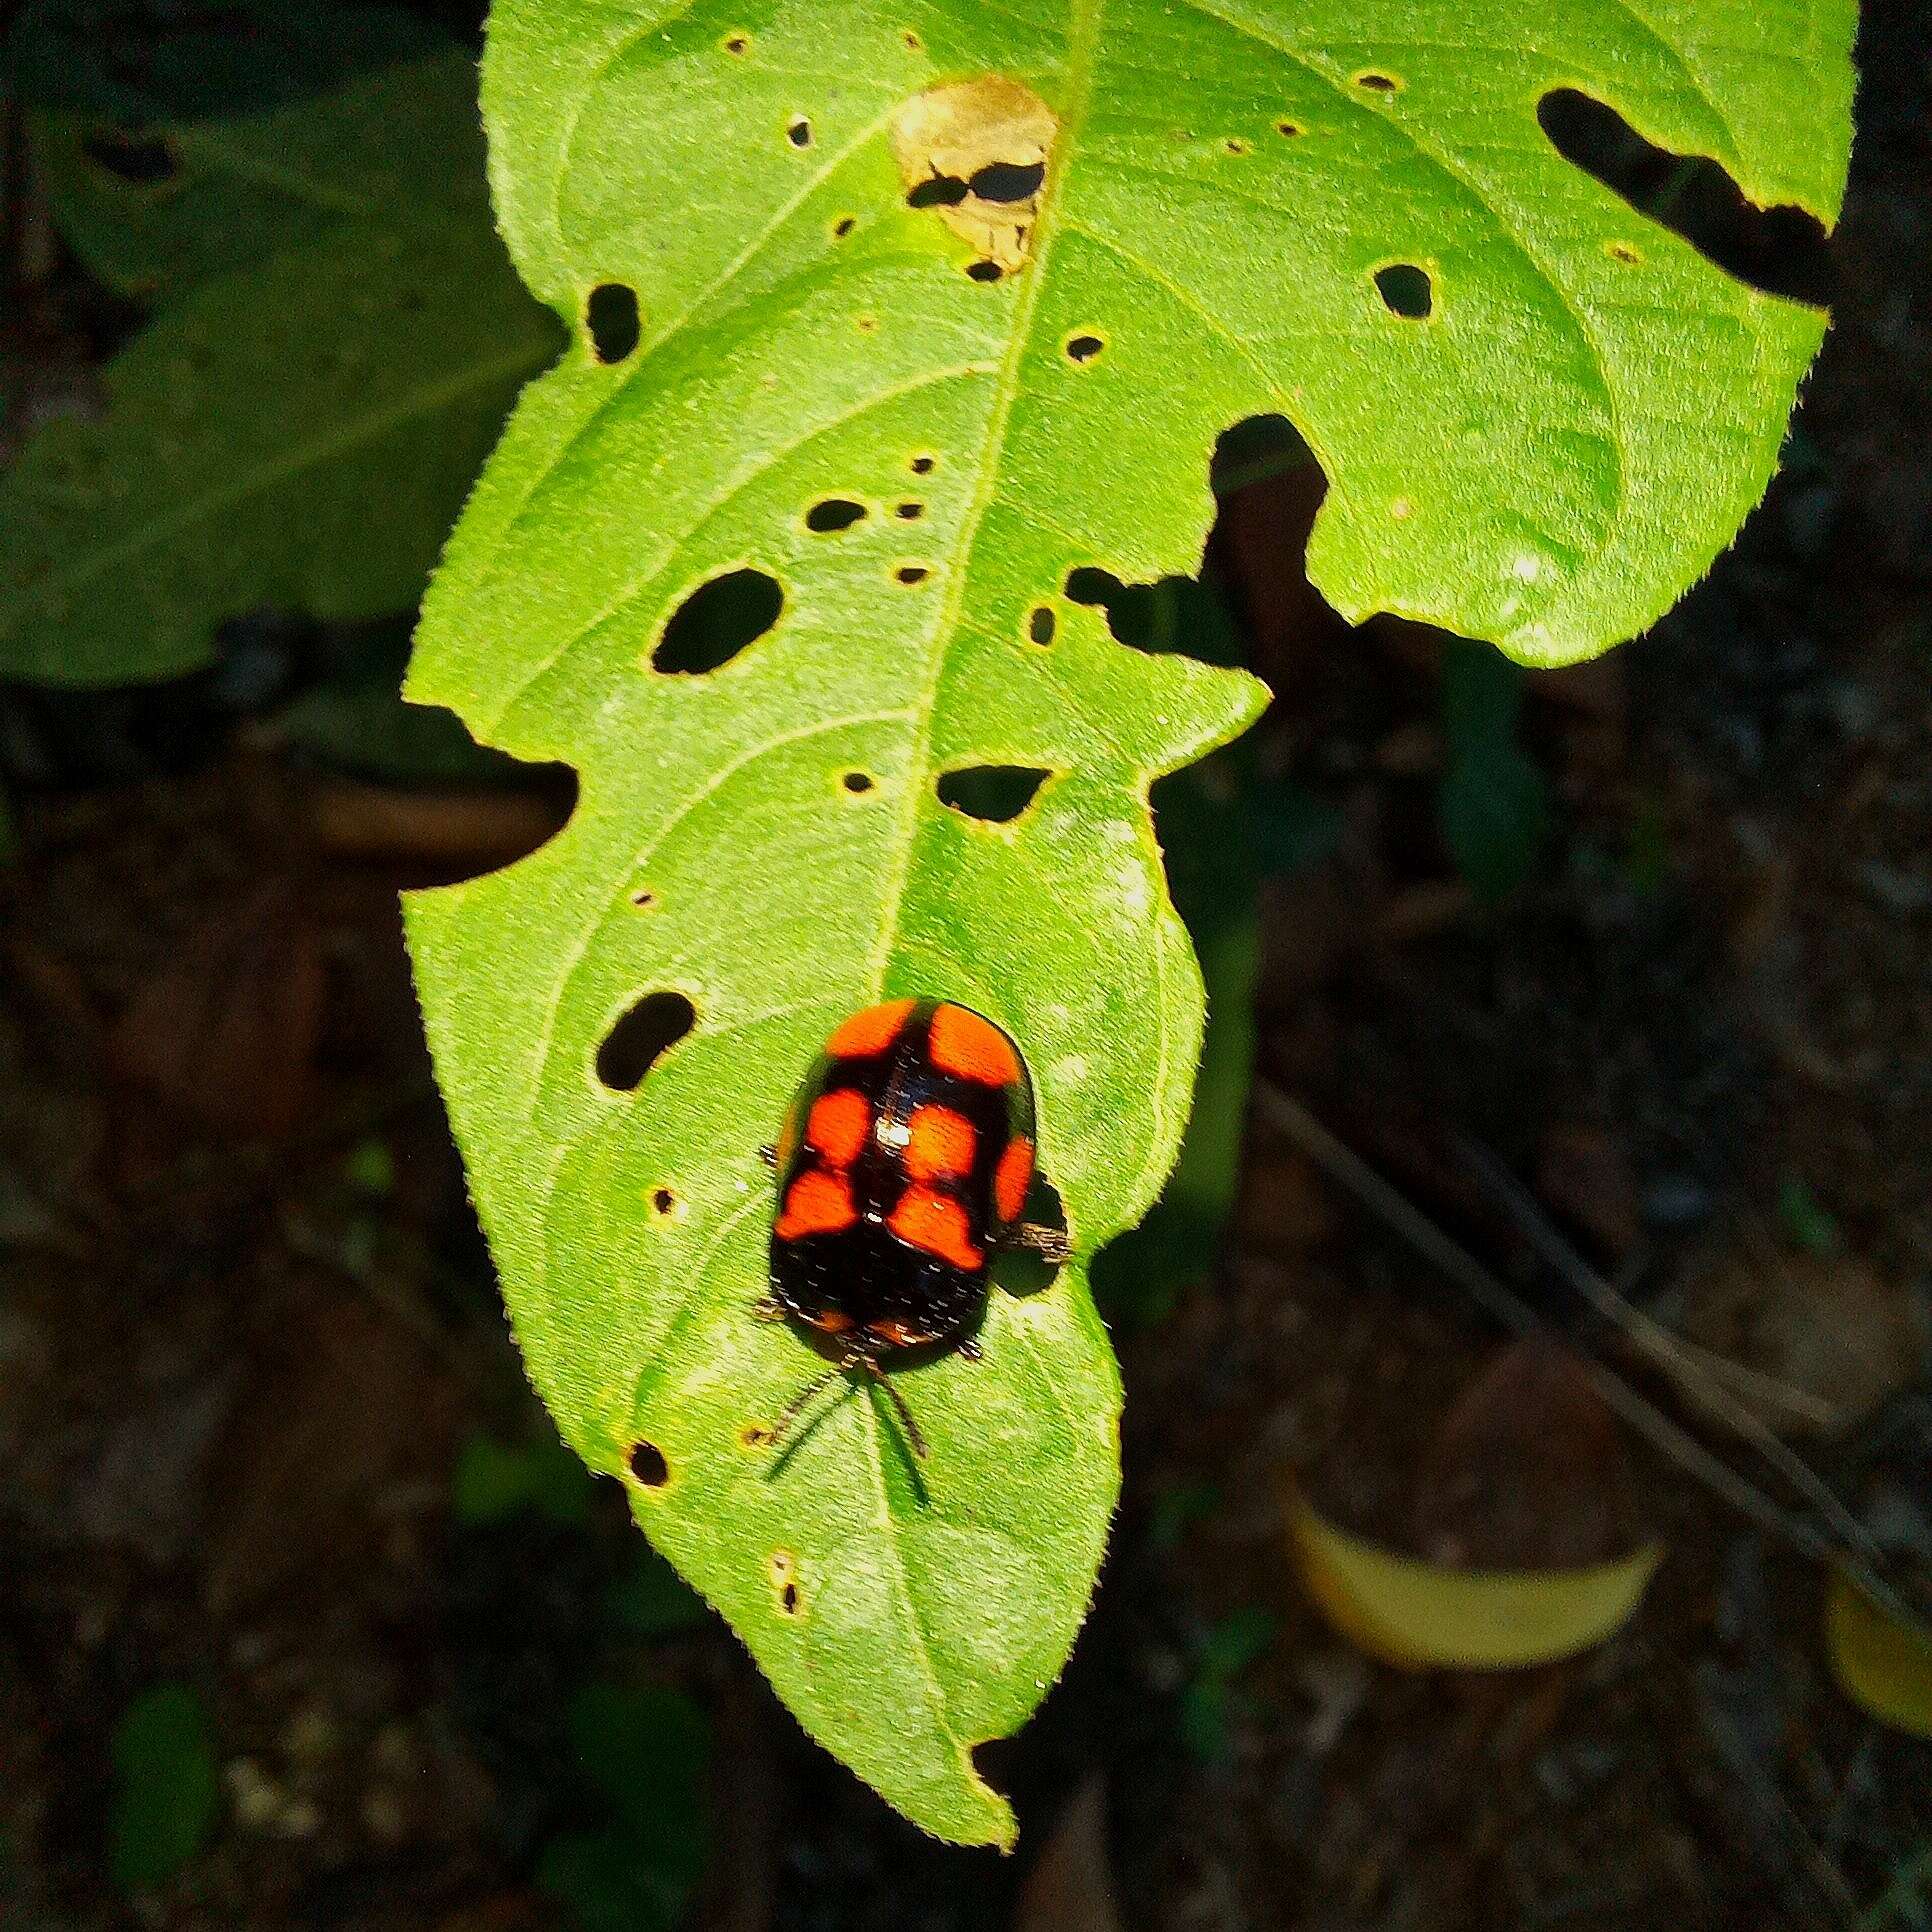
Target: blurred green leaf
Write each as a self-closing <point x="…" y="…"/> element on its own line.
<point x="167" y="1785"/>
<point x="645" y="1753"/>
<point x="1494" y="807"/>
<point x="651" y="1600"/>
<point x="155" y="207"/>
<point x="295" y="433"/>
<point x="142" y="61"/>
<point x="495" y="1481"/>
<point x="370" y="1168"/>
<point x="1805" y="1220"/>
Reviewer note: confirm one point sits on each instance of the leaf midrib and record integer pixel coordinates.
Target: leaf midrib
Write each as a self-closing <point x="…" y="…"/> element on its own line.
<point x="1082" y="41"/>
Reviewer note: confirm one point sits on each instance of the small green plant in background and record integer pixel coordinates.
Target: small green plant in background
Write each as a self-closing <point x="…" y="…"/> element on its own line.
<point x="644" y="1754"/>
<point x="1211" y="1698"/>
<point x="1494" y="806"/>
<point x="167" y="1786"/>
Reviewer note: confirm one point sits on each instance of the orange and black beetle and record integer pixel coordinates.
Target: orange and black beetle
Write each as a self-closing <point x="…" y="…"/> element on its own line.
<point x="903" y="1169"/>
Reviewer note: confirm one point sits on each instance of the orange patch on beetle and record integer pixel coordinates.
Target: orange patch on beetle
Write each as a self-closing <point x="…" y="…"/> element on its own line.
<point x="939" y="1143"/>
<point x="833" y="1321"/>
<point x="869" y="1032"/>
<point x="1012" y="1178"/>
<point x="839" y="1123"/>
<point x="936" y="1223"/>
<point x="972" y="1048"/>
<point x="816" y="1203"/>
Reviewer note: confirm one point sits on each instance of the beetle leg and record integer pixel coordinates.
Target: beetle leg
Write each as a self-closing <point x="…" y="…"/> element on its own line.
<point x="767" y="1308"/>
<point x="971" y="1349"/>
<point x="1049" y="1244"/>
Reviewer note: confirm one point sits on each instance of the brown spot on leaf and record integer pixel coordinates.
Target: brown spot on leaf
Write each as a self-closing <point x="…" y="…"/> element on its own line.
<point x="990" y="136"/>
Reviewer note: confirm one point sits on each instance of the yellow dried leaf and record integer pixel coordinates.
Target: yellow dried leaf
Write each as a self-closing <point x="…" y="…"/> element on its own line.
<point x="1882" y="1664"/>
<point x="1421" y="1616"/>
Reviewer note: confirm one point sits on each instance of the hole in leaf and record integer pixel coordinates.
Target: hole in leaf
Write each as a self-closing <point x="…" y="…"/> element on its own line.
<point x="1008" y="181"/>
<point x="1083" y="348"/>
<point x="909" y="512"/>
<point x="923" y="465"/>
<point x="858" y="781"/>
<point x="985" y="271"/>
<point x="913" y="41"/>
<point x="641" y="1038"/>
<point x="717" y="621"/>
<point x="910" y="574"/>
<point x="1405" y="290"/>
<point x="1235" y="145"/>
<point x="1378" y="83"/>
<point x="647" y="1464"/>
<point x="144" y="161"/>
<point x="844" y="226"/>
<point x="643" y="898"/>
<point x="754" y="1435"/>
<point x="937" y="191"/>
<point x="1623" y="251"/>
<point x="611" y="317"/>
<point x="663" y="1200"/>
<point x="799" y="134"/>
<point x="1179" y="614"/>
<point x="997" y="1761"/>
<point x="1041" y="625"/>
<point x="833" y="514"/>
<point x="995" y="794"/>
<point x="1289" y="128"/>
<point x="1782" y="251"/>
<point x="866" y="324"/>
<point x="737" y="43"/>
<point x="788" y="1599"/>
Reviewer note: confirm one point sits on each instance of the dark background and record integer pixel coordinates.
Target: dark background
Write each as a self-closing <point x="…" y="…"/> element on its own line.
<point x="264" y="1439"/>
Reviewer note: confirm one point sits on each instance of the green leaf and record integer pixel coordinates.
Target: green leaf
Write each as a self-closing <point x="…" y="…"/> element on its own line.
<point x="1221" y="184"/>
<point x="297" y="432"/>
<point x="156" y="206"/>
<point x="167" y="1785"/>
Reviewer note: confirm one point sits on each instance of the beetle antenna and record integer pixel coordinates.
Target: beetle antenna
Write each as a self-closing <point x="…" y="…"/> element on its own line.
<point x="906" y="1422"/>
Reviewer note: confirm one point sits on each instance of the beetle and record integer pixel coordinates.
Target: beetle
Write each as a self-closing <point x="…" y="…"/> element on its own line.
<point x="903" y="1170"/>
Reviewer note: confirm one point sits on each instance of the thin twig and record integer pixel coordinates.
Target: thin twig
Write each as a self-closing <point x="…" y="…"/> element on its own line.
<point x="1458" y="1265"/>
<point x="1658" y="1342"/>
